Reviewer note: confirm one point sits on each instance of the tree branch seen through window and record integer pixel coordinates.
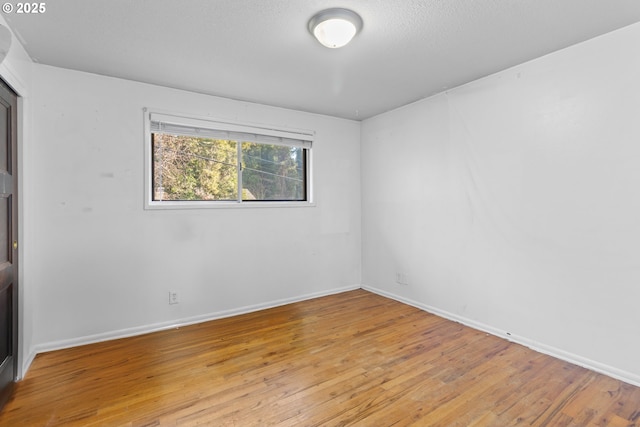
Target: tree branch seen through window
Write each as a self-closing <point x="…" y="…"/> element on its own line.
<point x="188" y="168"/>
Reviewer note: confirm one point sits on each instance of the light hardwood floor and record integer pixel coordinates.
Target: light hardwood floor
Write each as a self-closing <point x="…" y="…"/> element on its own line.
<point x="349" y="359"/>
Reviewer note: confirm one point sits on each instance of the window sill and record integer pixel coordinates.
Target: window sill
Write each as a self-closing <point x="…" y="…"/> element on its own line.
<point x="170" y="205"/>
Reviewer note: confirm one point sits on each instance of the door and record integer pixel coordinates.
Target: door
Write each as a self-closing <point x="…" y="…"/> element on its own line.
<point x="8" y="242"/>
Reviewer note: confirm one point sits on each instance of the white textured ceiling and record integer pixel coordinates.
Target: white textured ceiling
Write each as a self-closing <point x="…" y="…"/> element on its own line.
<point x="261" y="51"/>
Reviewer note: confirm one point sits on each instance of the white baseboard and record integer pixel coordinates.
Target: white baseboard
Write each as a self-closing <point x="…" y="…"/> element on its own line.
<point x="26" y="363"/>
<point x="177" y="323"/>
<point x="616" y="373"/>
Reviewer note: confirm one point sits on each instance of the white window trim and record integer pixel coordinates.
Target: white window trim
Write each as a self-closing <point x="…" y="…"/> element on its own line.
<point x="208" y="122"/>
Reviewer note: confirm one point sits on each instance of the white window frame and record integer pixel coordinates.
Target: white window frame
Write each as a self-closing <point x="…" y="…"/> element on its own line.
<point x="213" y="125"/>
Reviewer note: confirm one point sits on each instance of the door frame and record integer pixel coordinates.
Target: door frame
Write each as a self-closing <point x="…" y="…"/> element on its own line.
<point x="10" y="282"/>
<point x="10" y="71"/>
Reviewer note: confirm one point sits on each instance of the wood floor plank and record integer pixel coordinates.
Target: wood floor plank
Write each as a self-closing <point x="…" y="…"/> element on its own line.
<point x="354" y="358"/>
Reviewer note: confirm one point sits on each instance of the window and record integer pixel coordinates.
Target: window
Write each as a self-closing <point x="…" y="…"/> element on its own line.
<point x="202" y="163"/>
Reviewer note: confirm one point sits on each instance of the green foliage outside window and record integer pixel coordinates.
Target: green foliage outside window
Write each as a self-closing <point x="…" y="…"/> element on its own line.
<point x="193" y="168"/>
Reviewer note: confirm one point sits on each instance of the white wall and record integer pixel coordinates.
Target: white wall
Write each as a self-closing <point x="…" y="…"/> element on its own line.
<point x="513" y="203"/>
<point x="103" y="266"/>
<point x="15" y="70"/>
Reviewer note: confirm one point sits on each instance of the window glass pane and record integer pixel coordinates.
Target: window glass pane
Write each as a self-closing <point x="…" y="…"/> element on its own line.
<point x="191" y="168"/>
<point x="273" y="172"/>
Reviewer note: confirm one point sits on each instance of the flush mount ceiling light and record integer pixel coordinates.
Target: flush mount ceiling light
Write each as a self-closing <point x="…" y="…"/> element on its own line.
<point x="335" y="27"/>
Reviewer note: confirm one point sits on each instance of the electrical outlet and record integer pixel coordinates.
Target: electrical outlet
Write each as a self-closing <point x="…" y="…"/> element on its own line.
<point x="402" y="279"/>
<point x="173" y="297"/>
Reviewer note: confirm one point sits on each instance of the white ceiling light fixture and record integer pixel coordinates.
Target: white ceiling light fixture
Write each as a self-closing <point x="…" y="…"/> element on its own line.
<point x="335" y="27"/>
